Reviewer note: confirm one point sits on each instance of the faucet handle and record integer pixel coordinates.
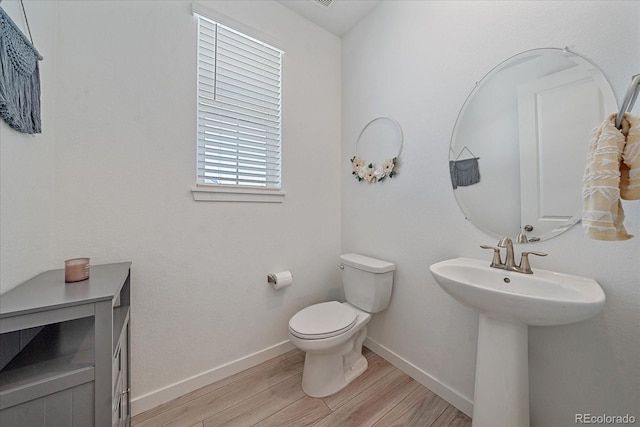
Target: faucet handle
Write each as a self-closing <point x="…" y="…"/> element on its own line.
<point x="525" y="267"/>
<point x="497" y="261"/>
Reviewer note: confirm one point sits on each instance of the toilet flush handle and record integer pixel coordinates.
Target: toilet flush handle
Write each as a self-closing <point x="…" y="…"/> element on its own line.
<point x="341" y="266"/>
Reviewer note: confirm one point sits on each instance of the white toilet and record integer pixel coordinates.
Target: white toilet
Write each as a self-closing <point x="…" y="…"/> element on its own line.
<point x="331" y="333"/>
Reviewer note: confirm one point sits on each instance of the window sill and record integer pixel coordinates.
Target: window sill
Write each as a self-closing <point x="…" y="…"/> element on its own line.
<point x="215" y="193"/>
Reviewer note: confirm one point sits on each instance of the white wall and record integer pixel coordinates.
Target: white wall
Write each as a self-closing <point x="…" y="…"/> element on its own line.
<point x="417" y="62"/>
<point x="125" y="162"/>
<point x="26" y="164"/>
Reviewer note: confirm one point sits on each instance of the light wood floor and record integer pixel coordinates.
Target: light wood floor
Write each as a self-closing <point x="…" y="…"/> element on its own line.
<point x="269" y="394"/>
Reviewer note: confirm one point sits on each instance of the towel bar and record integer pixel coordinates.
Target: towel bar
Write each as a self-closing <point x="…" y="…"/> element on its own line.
<point x="629" y="99"/>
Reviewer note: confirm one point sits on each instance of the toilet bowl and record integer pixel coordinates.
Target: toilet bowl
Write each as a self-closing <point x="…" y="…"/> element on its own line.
<point x="331" y="333"/>
<point x="334" y="360"/>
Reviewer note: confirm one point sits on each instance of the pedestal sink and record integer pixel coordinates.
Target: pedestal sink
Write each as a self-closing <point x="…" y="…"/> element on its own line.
<point x="508" y="303"/>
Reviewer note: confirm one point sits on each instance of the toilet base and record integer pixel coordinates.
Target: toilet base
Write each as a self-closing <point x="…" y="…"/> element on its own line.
<point x="328" y="373"/>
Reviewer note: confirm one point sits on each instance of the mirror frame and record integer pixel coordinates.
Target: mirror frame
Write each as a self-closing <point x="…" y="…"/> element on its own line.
<point x="610" y="99"/>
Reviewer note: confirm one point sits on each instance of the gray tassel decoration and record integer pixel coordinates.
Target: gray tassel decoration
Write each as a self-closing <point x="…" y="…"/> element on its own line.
<point x="19" y="79"/>
<point x="464" y="172"/>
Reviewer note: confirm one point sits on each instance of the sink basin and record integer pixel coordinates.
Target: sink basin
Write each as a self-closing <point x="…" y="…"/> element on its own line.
<point x="508" y="303"/>
<point x="543" y="298"/>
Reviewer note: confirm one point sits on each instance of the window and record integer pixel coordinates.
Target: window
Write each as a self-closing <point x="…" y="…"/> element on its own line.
<point x="239" y="92"/>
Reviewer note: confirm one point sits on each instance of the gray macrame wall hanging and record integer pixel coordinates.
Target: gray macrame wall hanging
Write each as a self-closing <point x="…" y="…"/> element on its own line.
<point x="19" y="77"/>
<point x="464" y="172"/>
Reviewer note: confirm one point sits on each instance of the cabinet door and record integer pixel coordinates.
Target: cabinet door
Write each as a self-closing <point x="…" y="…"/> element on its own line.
<point x="116" y="371"/>
<point x="116" y="418"/>
<point x="126" y="379"/>
<point x="121" y="380"/>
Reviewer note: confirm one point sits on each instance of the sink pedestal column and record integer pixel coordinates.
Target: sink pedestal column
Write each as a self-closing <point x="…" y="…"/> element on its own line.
<point x="501" y="395"/>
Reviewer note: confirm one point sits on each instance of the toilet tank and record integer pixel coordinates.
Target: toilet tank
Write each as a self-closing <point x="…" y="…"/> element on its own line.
<point x="367" y="282"/>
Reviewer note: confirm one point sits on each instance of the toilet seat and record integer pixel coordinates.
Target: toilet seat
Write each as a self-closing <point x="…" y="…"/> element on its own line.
<point x="324" y="320"/>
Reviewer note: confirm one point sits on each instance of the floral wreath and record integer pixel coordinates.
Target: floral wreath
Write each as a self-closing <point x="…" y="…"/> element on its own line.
<point x="370" y="173"/>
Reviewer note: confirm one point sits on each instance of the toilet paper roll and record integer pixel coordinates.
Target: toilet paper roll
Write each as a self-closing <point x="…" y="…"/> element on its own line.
<point x="281" y="279"/>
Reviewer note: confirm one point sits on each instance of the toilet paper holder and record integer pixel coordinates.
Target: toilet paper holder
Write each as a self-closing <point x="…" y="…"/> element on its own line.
<point x="280" y="280"/>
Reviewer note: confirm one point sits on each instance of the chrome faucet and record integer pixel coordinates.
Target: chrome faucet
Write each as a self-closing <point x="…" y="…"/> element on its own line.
<point x="510" y="263"/>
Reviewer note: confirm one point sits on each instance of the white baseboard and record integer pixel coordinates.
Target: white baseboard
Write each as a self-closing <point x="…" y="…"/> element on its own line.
<point x="461" y="402"/>
<point x="151" y="400"/>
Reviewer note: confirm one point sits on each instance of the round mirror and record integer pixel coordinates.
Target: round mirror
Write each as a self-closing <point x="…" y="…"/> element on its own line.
<point x="519" y="145"/>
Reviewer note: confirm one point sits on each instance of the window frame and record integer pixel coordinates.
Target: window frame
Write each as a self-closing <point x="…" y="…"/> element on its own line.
<point x="237" y="192"/>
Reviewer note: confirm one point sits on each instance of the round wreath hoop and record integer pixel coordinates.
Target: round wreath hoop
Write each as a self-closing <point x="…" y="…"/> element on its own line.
<point x="368" y="172"/>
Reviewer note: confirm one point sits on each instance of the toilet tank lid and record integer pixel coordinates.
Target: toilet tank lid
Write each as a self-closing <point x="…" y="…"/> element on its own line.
<point x="366" y="263"/>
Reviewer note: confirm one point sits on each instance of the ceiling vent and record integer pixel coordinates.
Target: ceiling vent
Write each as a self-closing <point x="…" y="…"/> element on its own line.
<point x="325" y="3"/>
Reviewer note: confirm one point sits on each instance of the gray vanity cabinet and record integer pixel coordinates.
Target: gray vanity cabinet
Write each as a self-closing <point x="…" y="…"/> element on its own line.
<point x="65" y="350"/>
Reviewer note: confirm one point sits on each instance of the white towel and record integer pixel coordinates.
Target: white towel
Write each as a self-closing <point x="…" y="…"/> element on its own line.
<point x="612" y="172"/>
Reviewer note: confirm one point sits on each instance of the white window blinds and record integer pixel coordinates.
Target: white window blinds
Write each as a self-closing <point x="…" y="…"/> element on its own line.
<point x="238" y="108"/>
